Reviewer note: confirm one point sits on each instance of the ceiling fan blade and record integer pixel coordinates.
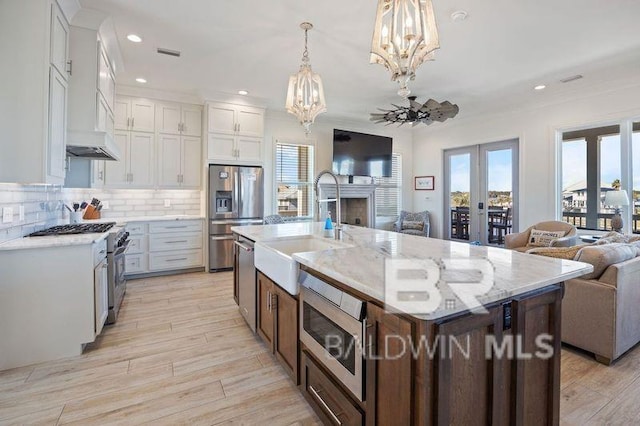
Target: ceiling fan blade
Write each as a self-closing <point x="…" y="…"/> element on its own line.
<point x="416" y="113"/>
<point x="415" y="105"/>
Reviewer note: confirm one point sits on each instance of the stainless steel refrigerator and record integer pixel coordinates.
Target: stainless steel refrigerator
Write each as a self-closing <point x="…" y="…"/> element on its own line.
<point x="236" y="197"/>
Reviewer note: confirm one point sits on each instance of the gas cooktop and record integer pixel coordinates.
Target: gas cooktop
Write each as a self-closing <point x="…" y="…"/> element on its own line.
<point x="77" y="228"/>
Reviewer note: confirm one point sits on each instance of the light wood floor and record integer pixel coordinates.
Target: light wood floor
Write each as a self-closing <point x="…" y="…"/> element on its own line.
<point x="179" y="354"/>
<point x="182" y="354"/>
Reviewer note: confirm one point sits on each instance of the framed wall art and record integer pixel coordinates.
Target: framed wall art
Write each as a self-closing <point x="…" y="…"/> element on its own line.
<point x="424" y="183"/>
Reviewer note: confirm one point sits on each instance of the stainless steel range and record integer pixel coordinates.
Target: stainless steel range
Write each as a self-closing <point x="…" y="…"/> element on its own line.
<point x="117" y="242"/>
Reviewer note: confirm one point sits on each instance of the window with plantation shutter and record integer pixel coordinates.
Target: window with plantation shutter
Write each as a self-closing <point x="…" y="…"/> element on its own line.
<point x="294" y="180"/>
<point x="389" y="190"/>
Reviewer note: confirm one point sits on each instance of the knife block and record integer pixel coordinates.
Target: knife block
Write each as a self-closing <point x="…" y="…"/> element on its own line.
<point x="91" y="213"/>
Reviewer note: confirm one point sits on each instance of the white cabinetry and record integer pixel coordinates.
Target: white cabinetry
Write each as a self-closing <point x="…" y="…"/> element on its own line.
<point x="53" y="301"/>
<point x="100" y="286"/>
<point x="91" y="88"/>
<point x="179" y="145"/>
<point x="137" y="251"/>
<point x="34" y="79"/>
<point x="101" y="296"/>
<point x="134" y="114"/>
<point x="135" y="169"/>
<point x="179" y="119"/>
<point x="234" y="133"/>
<point x="161" y="246"/>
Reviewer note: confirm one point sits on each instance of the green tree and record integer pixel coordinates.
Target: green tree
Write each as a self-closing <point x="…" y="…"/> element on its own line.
<point x="616" y="184"/>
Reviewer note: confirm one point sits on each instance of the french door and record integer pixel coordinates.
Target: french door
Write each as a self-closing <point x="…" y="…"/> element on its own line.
<point x="481" y="192"/>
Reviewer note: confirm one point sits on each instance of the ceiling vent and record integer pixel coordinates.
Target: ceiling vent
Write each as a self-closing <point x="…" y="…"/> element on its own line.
<point x="169" y="52"/>
<point x="570" y="79"/>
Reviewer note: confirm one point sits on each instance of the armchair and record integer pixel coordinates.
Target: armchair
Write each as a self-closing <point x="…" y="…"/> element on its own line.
<point x="413" y="223"/>
<point x="519" y="241"/>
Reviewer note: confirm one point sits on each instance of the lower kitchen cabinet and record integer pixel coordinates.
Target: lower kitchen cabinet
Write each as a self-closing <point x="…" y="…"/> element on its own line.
<point x="278" y="322"/>
<point x="331" y="404"/>
<point x="389" y="368"/>
<point x="162" y="246"/>
<point x="101" y="295"/>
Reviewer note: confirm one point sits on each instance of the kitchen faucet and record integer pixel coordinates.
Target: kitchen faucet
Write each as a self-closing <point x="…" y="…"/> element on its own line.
<point x="338" y="227"/>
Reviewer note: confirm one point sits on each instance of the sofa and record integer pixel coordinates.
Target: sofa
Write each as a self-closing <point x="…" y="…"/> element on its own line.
<point x="413" y="223"/>
<point x="601" y="310"/>
<point x="520" y="241"/>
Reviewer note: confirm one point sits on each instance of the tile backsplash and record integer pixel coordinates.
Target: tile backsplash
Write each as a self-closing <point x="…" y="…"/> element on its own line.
<point x="43" y="205"/>
<point x="42" y="208"/>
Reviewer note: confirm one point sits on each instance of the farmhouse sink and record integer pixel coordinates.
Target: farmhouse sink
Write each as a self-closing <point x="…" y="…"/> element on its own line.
<point x="274" y="259"/>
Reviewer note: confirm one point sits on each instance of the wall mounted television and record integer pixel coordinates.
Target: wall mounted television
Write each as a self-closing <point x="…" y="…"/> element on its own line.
<point x="361" y="154"/>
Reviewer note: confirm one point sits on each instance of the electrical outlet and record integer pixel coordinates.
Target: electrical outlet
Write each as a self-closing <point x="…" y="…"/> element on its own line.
<point x="167" y="203"/>
<point x="7" y="215"/>
<point x="105" y="205"/>
<point x="21" y="213"/>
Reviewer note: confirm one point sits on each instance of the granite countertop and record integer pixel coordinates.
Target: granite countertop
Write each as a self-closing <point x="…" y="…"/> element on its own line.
<point x="53" y="241"/>
<point x="374" y="253"/>
<point x="81" y="239"/>
<point x="128" y="219"/>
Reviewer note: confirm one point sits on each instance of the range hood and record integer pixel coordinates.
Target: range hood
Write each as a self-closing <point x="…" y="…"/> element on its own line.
<point x="91" y="88"/>
<point x="93" y="145"/>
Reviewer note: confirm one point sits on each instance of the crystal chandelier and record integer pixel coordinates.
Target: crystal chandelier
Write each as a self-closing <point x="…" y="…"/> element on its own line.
<point x="305" y="96"/>
<point x="405" y="35"/>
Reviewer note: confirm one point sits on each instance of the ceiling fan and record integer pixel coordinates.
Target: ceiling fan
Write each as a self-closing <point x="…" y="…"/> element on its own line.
<point x="416" y="112"/>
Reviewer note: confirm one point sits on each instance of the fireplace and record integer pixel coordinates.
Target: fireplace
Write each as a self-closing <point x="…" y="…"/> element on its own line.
<point x="358" y="203"/>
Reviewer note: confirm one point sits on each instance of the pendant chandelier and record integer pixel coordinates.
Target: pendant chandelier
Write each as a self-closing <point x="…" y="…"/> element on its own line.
<point x="305" y="96"/>
<point x="404" y="36"/>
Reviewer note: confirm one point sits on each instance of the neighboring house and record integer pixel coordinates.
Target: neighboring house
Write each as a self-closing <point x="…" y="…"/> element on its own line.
<point x="574" y="197"/>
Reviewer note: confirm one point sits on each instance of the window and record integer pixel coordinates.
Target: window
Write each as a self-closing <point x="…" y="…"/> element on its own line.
<point x="389" y="190"/>
<point x="590" y="168"/>
<point x="294" y="180"/>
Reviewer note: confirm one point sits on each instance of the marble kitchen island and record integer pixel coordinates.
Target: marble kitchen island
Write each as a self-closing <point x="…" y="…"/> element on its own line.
<point x="499" y="366"/>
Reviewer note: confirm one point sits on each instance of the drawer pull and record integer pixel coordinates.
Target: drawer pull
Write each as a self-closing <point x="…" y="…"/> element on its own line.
<point x="175" y="242"/>
<point x="176" y="260"/>
<point x="176" y="227"/>
<point x="324" y="404"/>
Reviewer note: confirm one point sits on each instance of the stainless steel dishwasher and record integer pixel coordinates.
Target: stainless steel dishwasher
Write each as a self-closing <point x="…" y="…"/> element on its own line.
<point x="246" y="280"/>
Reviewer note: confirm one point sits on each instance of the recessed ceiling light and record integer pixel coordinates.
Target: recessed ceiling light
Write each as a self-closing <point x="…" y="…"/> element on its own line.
<point x="141" y="80"/>
<point x="134" y="38"/>
<point x="242" y="92"/>
<point x="540" y="87"/>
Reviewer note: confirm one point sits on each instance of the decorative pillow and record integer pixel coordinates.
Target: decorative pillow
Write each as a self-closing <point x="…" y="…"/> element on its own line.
<point x="612" y="237"/>
<point x="413" y="224"/>
<point x="538" y="238"/>
<point x="604" y="255"/>
<point x="558" y="252"/>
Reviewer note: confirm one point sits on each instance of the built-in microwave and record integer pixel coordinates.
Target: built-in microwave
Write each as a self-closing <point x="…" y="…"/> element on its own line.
<point x="331" y="328"/>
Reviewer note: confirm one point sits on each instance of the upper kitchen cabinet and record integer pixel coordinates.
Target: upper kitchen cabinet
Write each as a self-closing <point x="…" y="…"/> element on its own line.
<point x="235" y="133"/>
<point x="179" y="119"/>
<point x="35" y="78"/>
<point x="134" y="114"/>
<point x="235" y="119"/>
<point x="60" y="43"/>
<point x="135" y="169"/>
<point x="179" y="128"/>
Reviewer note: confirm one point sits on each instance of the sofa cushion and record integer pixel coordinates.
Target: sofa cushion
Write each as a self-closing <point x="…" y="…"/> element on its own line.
<point x="601" y="256"/>
<point x="557" y="252"/>
<point x="540" y="238"/>
<point x="413" y="224"/>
